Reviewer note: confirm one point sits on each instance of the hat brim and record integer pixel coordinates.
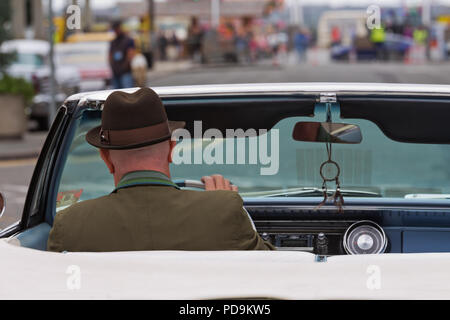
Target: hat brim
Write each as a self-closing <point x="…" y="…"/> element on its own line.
<point x="93" y="138"/>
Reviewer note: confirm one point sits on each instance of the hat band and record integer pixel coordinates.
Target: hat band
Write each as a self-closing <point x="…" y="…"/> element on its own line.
<point x="133" y="136"/>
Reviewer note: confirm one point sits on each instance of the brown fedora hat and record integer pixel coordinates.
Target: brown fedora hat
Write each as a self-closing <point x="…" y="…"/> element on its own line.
<point x="131" y="121"/>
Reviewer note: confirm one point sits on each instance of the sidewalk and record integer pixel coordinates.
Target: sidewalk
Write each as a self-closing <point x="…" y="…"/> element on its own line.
<point x="28" y="147"/>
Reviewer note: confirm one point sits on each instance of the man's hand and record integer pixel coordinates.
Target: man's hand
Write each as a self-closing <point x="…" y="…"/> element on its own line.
<point x="218" y="182"/>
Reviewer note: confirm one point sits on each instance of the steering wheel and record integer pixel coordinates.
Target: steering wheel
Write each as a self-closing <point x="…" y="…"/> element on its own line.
<point x="190" y="184"/>
<point x="187" y="183"/>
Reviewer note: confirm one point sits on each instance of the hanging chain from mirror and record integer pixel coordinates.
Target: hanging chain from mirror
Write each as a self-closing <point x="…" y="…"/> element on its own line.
<point x="330" y="171"/>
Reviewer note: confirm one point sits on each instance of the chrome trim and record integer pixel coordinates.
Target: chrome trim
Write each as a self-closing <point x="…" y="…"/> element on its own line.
<point x="3" y="208"/>
<point x="329" y="207"/>
<point x="370" y="223"/>
<point x="64" y="107"/>
<point x="10" y="227"/>
<point x="282" y="88"/>
<point x="305" y="249"/>
<point x="194" y="184"/>
<point x="81" y="102"/>
<point x="327" y="97"/>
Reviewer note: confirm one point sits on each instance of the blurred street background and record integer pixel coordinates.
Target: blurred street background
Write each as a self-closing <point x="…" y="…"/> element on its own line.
<point x="62" y="47"/>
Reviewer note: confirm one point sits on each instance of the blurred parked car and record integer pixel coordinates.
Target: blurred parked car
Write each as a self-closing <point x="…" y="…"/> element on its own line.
<point x="90" y="58"/>
<point x="32" y="63"/>
<point x="395" y="48"/>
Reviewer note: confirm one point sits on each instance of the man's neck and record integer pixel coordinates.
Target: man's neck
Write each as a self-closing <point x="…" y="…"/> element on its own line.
<point x="119" y="176"/>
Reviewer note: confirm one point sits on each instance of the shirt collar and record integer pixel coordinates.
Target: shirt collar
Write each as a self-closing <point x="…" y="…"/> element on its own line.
<point x="143" y="177"/>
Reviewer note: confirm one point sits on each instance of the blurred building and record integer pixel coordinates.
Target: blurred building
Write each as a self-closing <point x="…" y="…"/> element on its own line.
<point x="198" y="8"/>
<point x="27" y="19"/>
<point x="176" y="15"/>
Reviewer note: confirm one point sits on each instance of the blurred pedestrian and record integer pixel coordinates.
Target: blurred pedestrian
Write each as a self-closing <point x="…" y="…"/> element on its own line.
<point x="121" y="52"/>
<point x="228" y="42"/>
<point x="408" y="31"/>
<point x="174" y="46"/>
<point x="420" y="49"/>
<point x="301" y="44"/>
<point x="143" y="41"/>
<point x="139" y="69"/>
<point x="194" y="40"/>
<point x="378" y="38"/>
<point x="242" y="46"/>
<point x="253" y="47"/>
<point x="274" y="44"/>
<point x="336" y="36"/>
<point x="420" y="35"/>
<point x="446" y="46"/>
<point x="162" y="45"/>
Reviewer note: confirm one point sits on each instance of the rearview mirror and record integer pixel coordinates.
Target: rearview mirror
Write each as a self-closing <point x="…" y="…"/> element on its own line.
<point x="327" y="132"/>
<point x="2" y="204"/>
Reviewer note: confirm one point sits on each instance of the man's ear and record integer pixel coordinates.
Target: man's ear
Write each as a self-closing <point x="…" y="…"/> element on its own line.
<point x="104" y="153"/>
<point x="172" y="145"/>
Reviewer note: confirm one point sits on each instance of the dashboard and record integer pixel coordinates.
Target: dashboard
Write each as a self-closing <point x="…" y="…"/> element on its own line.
<point x="343" y="237"/>
<point x="358" y="230"/>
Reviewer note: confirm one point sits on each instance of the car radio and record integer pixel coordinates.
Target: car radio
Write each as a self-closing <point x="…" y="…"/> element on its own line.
<point x="304" y="242"/>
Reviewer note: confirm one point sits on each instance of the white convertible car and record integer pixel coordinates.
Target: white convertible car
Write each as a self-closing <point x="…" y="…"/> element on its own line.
<point x="368" y="220"/>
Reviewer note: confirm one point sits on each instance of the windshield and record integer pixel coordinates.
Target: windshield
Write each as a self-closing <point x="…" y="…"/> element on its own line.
<point x="378" y="166"/>
<point x="29" y="59"/>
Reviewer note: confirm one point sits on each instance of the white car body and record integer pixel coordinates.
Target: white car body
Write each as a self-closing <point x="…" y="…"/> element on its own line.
<point x="34" y="274"/>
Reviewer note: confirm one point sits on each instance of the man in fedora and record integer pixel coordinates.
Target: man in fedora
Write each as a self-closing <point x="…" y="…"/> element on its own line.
<point x="147" y="211"/>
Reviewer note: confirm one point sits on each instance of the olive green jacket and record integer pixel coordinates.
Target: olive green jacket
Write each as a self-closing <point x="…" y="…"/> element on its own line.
<point x="156" y="218"/>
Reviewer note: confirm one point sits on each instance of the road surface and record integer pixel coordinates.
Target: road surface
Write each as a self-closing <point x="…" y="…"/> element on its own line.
<point x="15" y="175"/>
<point x="338" y="72"/>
